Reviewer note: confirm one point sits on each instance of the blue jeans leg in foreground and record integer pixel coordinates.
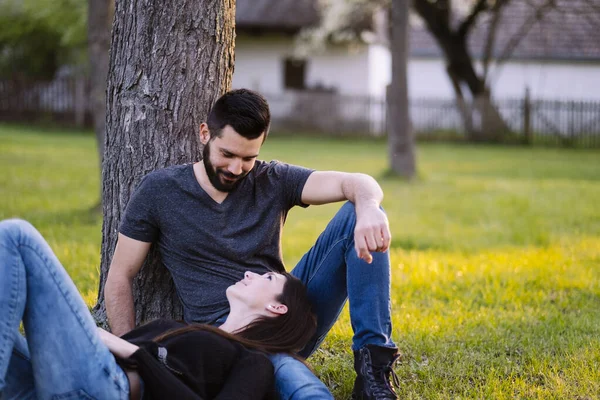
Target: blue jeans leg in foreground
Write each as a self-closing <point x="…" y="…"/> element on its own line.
<point x="19" y="379"/>
<point x="332" y="273"/>
<point x="62" y="354"/>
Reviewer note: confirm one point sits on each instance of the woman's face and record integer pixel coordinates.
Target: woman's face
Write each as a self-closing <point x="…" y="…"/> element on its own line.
<point x="258" y="293"/>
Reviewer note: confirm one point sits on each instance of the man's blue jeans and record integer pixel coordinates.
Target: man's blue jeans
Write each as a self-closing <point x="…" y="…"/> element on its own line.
<point x="332" y="272"/>
<point x="62" y="356"/>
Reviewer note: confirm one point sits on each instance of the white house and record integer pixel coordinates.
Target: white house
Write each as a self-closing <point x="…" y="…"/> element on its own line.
<point x="556" y="57"/>
<point x="305" y="93"/>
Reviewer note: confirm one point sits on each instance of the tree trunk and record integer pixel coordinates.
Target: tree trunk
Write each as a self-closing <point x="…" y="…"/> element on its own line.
<point x="482" y="120"/>
<point x="401" y="142"/>
<point x="492" y="127"/>
<point x="99" y="20"/>
<point x="463" y="108"/>
<point x="169" y="62"/>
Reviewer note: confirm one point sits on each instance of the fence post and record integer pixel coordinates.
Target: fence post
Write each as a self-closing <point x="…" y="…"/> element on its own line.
<point x="527" y="118"/>
<point x="80" y="101"/>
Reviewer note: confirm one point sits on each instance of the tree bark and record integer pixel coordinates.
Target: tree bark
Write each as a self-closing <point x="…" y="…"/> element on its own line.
<point x="401" y="142"/>
<point x="169" y="62"/>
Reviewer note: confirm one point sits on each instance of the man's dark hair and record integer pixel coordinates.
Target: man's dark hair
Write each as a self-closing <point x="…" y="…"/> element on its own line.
<point x="247" y="112"/>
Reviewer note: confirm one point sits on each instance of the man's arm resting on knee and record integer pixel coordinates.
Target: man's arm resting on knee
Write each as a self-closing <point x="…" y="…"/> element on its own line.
<point x="372" y="232"/>
<point x="118" y="293"/>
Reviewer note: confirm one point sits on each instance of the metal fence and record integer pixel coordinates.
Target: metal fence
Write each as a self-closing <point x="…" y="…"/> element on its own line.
<point x="568" y="123"/>
<point x="63" y="101"/>
<point x="572" y="123"/>
<point x="325" y="112"/>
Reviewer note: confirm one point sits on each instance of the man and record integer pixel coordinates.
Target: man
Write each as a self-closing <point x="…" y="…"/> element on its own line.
<point x="215" y="219"/>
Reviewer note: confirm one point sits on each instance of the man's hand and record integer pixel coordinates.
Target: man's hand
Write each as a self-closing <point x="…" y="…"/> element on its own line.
<point x="372" y="232"/>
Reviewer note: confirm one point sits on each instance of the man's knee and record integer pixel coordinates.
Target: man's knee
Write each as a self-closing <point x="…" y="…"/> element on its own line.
<point x="12" y="230"/>
<point x="349" y="211"/>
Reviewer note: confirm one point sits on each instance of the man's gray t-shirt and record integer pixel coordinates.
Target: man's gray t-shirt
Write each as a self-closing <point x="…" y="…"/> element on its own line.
<point x="208" y="246"/>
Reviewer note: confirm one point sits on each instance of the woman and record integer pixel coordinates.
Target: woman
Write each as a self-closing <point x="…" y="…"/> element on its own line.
<point x="66" y="357"/>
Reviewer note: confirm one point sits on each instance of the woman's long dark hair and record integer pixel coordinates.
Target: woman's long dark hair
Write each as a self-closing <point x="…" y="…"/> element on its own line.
<point x="286" y="333"/>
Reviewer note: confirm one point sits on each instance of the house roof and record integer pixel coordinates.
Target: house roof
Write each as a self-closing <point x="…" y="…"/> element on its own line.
<point x="568" y="30"/>
<point x="284" y="16"/>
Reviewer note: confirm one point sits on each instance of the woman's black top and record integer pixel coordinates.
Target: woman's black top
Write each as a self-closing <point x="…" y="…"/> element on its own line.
<point x="197" y="365"/>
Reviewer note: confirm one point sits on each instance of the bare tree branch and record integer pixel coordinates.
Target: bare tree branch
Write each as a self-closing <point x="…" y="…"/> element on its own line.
<point x="593" y="5"/>
<point x="524" y="30"/>
<point x="591" y="12"/>
<point x="466" y="25"/>
<point x="436" y="15"/>
<point x="589" y="19"/>
<point x="491" y="36"/>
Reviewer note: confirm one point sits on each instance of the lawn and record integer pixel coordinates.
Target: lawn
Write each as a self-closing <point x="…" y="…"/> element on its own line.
<point x="495" y="256"/>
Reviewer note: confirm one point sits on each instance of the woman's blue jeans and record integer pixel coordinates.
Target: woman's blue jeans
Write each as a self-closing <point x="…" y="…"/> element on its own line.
<point x="61" y="355"/>
<point x="333" y="273"/>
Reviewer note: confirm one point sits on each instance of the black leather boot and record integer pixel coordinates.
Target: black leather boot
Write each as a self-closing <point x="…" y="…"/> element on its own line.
<point x="374" y="367"/>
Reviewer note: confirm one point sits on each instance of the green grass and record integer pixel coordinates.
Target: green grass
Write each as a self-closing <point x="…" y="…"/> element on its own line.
<point x="495" y="258"/>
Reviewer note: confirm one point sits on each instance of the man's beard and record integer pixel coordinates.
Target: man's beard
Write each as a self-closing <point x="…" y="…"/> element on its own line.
<point x="214" y="175"/>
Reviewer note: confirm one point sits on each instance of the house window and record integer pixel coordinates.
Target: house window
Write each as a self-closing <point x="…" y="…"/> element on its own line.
<point x="294" y="74"/>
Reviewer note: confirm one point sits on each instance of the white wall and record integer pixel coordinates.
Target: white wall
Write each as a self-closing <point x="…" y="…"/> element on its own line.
<point x="428" y="79"/>
<point x="546" y="80"/>
<point x="380" y="70"/>
<point x="259" y="63"/>
<point x="348" y="72"/>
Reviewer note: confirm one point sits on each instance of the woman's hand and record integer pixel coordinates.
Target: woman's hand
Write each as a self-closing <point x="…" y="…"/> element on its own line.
<point x="119" y="347"/>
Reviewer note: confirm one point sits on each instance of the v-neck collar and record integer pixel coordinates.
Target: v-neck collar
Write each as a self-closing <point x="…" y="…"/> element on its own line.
<point x="207" y="196"/>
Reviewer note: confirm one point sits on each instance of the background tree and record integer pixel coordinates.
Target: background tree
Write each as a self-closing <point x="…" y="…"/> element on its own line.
<point x="100" y="16"/>
<point x="169" y="62"/>
<point x="451" y="22"/>
<point x="27" y="49"/>
<point x="452" y="38"/>
<point x="38" y="36"/>
<point x="401" y="141"/>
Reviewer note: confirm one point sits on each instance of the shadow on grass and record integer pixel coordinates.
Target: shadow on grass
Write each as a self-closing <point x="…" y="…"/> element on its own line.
<point x="45" y="128"/>
<point x="513" y="163"/>
<point x="580" y="174"/>
<point x="406" y="243"/>
<point x="388" y="175"/>
<point x="73" y="217"/>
